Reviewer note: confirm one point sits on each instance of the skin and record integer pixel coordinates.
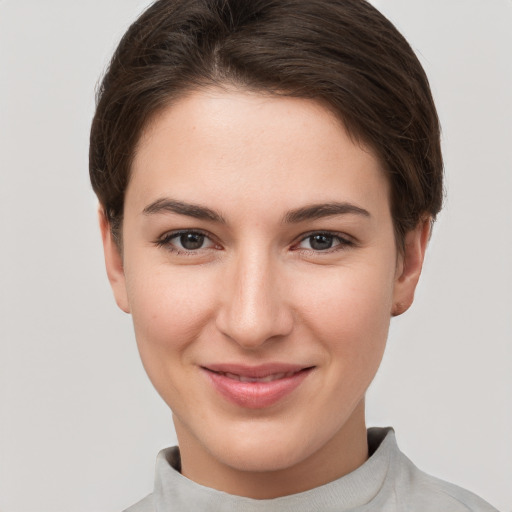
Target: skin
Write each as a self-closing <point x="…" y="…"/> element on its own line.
<point x="259" y="290"/>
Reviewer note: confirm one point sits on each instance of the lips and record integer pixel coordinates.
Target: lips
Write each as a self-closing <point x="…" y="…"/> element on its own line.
<point x="256" y="387"/>
<point x="269" y="378"/>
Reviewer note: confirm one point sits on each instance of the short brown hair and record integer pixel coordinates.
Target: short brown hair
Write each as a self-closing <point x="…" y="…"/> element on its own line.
<point x="343" y="53"/>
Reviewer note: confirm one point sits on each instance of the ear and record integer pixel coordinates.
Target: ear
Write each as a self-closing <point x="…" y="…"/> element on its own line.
<point x="113" y="262"/>
<point x="409" y="266"/>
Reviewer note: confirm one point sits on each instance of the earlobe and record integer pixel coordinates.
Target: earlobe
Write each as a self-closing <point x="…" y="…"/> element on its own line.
<point x="409" y="270"/>
<point x="113" y="262"/>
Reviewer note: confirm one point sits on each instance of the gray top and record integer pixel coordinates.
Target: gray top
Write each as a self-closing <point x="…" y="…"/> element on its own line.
<point x="387" y="482"/>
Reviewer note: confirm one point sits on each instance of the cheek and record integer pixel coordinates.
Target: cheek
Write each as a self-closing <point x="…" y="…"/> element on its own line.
<point x="349" y="311"/>
<point x="169" y="310"/>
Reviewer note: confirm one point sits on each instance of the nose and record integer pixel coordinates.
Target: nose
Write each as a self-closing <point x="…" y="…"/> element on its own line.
<point x="254" y="306"/>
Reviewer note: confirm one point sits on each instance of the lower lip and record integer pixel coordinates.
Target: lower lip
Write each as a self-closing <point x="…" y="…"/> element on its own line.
<point x="256" y="395"/>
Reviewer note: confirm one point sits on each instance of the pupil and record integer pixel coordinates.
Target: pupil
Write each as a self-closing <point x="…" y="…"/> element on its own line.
<point x="321" y="242"/>
<point x="191" y="241"/>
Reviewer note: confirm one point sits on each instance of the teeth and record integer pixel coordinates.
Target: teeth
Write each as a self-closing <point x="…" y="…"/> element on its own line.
<point x="268" y="378"/>
<point x="231" y="375"/>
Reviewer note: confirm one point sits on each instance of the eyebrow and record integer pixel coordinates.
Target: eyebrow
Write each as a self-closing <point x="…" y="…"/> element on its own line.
<point x="319" y="211"/>
<point x="190" y="210"/>
<point x="305" y="213"/>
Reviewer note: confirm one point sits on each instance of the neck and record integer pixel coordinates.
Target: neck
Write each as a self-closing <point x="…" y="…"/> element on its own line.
<point x="342" y="454"/>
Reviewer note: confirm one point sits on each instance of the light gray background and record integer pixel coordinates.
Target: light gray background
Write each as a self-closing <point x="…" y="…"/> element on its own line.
<point x="80" y="424"/>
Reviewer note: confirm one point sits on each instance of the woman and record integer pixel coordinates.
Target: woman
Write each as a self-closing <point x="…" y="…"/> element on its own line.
<point x="268" y="174"/>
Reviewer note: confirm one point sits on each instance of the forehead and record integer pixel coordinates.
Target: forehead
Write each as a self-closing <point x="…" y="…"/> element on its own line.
<point x="243" y="147"/>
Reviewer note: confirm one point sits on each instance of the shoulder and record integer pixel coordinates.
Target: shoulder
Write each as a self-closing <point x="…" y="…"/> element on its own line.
<point x="144" y="505"/>
<point x="422" y="492"/>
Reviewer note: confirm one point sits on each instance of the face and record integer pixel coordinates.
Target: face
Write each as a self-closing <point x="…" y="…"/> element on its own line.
<point x="260" y="267"/>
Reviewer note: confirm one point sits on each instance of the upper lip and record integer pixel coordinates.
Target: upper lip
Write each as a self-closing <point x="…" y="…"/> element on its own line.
<point x="257" y="371"/>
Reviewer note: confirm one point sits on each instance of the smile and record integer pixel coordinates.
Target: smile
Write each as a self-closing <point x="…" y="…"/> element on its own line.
<point x="269" y="378"/>
<point x="255" y="387"/>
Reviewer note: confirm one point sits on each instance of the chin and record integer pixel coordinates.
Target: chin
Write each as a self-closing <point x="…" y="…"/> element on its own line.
<point x="266" y="448"/>
<point x="262" y="457"/>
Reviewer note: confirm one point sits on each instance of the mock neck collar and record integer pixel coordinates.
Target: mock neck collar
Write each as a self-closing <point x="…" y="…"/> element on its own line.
<point x="351" y="492"/>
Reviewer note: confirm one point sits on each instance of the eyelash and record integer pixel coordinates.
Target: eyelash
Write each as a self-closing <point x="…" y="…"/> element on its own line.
<point x="343" y="242"/>
<point x="165" y="241"/>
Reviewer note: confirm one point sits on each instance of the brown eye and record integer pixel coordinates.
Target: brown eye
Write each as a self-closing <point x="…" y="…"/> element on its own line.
<point x="183" y="242"/>
<point x="191" y="241"/>
<point x="321" y="242"/>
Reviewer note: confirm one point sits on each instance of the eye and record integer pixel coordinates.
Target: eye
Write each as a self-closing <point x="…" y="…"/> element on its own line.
<point x="323" y="242"/>
<point x="190" y="241"/>
<point x="185" y="241"/>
